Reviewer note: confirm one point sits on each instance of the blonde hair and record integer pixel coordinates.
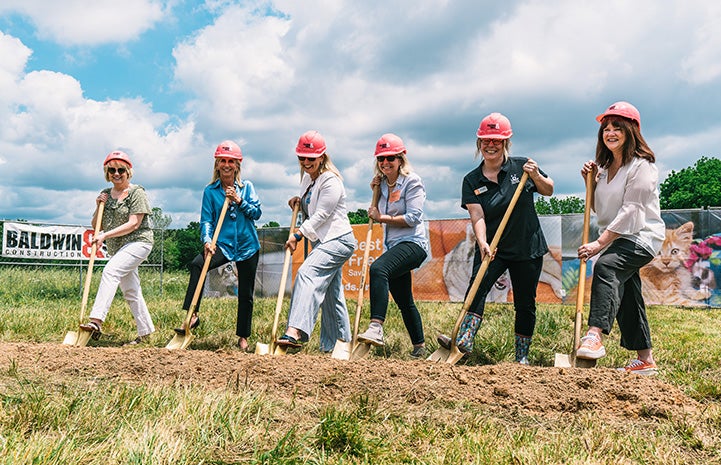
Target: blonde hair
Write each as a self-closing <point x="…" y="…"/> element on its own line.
<point x="216" y="171"/>
<point x="506" y="148"/>
<point x="404" y="169"/>
<point x="326" y="164"/>
<point x="127" y="167"/>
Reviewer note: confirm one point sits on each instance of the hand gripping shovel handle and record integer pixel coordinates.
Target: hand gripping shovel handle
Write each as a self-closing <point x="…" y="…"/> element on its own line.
<point x="364" y="269"/>
<point x="206" y="265"/>
<point x="580" y="290"/>
<point x="91" y="262"/>
<point x="283" y="279"/>
<point x="453" y="357"/>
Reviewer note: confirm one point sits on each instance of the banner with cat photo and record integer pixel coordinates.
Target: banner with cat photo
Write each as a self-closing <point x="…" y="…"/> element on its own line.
<point x="686" y="272"/>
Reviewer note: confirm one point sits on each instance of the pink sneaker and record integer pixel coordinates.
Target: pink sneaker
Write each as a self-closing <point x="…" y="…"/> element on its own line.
<point x="591" y="347"/>
<point x="640" y="367"/>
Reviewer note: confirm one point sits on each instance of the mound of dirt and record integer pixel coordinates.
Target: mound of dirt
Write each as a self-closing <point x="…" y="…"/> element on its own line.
<point x="534" y="390"/>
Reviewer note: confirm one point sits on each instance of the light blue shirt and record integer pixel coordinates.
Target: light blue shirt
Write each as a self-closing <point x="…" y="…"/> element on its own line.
<point x="238" y="239"/>
<point x="409" y="203"/>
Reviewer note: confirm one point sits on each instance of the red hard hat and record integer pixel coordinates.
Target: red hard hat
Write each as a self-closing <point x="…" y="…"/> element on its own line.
<point x="624" y="109"/>
<point x="389" y="144"/>
<point x="495" y="126"/>
<point x="311" y="144"/>
<point x="118" y="155"/>
<point x="228" y="149"/>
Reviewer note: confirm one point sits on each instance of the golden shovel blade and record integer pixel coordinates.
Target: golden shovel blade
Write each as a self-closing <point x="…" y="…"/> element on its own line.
<point x="77" y="338"/>
<point x="342" y="350"/>
<point x="361" y="351"/>
<point x="180" y="342"/>
<point x="567" y="361"/>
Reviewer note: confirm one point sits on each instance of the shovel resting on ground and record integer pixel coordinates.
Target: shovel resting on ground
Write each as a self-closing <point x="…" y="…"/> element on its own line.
<point x="566" y="360"/>
<point x="272" y="347"/>
<point x="352" y="350"/>
<point x="183" y="341"/>
<point x="81" y="337"/>
<point x="454" y="354"/>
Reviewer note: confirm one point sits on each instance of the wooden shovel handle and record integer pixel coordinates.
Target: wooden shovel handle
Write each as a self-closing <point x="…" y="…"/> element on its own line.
<point x="283" y="279"/>
<point x="91" y="262"/>
<point x="206" y="265"/>
<point x="487" y="260"/>
<point x="581" y="289"/>
<point x="364" y="267"/>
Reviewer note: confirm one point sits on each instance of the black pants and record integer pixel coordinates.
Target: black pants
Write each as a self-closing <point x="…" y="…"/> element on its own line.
<point x="246" y="286"/>
<point x="524" y="279"/>
<point x="392" y="272"/>
<point x="616" y="294"/>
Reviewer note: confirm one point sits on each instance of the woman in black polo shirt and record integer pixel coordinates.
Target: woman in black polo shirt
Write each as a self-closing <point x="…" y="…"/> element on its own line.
<point x="486" y="194"/>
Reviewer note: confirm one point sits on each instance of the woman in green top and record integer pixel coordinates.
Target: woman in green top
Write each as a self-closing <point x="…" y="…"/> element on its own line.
<point x="125" y="229"/>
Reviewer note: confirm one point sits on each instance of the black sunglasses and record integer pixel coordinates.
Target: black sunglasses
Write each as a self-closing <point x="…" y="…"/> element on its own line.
<point x="307" y="158"/>
<point x="382" y="158"/>
<point x="112" y="170"/>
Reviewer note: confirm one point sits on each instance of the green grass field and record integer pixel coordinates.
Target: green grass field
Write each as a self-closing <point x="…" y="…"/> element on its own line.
<point x="99" y="421"/>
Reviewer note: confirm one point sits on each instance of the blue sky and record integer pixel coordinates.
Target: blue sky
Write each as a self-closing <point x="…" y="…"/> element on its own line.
<point x="166" y="81"/>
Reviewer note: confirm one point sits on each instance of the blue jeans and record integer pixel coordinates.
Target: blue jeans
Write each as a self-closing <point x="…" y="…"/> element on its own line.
<point x="318" y="283"/>
<point x="392" y="272"/>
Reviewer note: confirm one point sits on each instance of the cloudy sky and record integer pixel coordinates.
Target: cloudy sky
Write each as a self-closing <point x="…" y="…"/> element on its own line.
<point x="167" y="80"/>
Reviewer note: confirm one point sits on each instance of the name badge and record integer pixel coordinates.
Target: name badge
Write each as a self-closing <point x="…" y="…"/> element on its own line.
<point x="480" y="190"/>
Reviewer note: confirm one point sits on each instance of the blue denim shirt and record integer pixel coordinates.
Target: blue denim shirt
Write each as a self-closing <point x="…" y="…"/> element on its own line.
<point x="408" y="201"/>
<point x="238" y="238"/>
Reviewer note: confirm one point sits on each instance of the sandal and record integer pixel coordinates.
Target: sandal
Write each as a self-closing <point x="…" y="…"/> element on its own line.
<point x="289" y="341"/>
<point x="93" y="328"/>
<point x="194" y="323"/>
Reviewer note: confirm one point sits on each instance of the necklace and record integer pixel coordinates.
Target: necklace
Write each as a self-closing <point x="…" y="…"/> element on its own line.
<point x="391" y="185"/>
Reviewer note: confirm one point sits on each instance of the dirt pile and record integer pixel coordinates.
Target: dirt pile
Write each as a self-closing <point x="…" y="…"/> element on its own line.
<point x="534" y="390"/>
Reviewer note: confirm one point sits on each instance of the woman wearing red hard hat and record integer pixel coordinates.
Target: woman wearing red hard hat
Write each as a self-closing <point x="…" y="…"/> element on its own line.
<point x="129" y="239"/>
<point x="237" y="239"/>
<point x="626" y="202"/>
<point x="400" y="209"/>
<point x="487" y="193"/>
<point x="318" y="282"/>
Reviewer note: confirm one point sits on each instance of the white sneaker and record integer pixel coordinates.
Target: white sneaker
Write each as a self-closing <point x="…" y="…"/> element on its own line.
<point x="373" y="335"/>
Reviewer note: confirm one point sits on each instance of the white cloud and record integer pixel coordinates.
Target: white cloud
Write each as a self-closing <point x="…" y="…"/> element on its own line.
<point x="81" y="22"/>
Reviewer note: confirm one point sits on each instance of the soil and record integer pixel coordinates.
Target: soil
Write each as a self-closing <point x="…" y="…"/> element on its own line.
<point x="532" y="390"/>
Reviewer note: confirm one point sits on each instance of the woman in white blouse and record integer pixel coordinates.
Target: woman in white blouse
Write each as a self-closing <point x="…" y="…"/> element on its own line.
<point x="626" y="202"/>
<point x="318" y="282"/>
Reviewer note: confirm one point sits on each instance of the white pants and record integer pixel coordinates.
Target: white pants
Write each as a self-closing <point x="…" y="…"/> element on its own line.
<point x="122" y="270"/>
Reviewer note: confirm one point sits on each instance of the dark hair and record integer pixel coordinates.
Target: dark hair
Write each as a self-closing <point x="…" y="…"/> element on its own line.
<point x="634" y="146"/>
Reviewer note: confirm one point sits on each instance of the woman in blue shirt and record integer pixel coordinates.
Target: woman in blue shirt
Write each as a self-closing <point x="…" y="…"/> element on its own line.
<point x="400" y="208"/>
<point x="237" y="241"/>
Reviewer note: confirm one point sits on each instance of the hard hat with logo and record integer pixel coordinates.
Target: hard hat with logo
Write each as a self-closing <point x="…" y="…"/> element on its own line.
<point x="389" y="144"/>
<point x="494" y="126"/>
<point x="311" y="144"/>
<point x="624" y="109"/>
<point x="229" y="149"/>
<point x="118" y="155"/>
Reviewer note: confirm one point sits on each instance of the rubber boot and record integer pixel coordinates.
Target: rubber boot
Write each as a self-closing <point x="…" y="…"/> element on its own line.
<point x="523" y="343"/>
<point x="467" y="332"/>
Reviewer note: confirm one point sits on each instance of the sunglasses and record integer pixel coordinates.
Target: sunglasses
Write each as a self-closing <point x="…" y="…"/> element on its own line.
<point x="382" y="158"/>
<point x="307" y="158"/>
<point x="112" y="170"/>
<point x="492" y="141"/>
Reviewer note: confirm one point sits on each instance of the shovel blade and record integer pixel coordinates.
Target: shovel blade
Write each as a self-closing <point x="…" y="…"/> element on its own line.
<point x="440" y="355"/>
<point x="262" y="349"/>
<point x="280" y="350"/>
<point x="180" y="342"/>
<point x="77" y="338"/>
<point x="361" y="351"/>
<point x="585" y="363"/>
<point x="562" y="361"/>
<point x="341" y="350"/>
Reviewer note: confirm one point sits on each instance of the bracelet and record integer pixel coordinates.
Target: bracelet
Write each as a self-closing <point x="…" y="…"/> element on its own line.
<point x="297" y="236"/>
